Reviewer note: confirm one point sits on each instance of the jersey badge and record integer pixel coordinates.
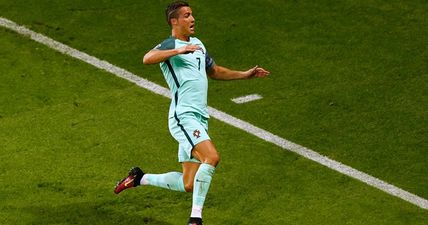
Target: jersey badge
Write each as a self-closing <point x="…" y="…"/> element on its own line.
<point x="196" y="133"/>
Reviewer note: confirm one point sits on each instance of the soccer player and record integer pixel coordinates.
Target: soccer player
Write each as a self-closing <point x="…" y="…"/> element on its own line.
<point x="185" y="64"/>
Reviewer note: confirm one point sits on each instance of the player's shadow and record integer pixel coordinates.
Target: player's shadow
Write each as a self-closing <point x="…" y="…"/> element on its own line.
<point x="86" y="213"/>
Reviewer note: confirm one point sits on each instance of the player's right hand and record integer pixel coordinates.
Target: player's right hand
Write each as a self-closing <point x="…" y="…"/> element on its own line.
<point x="188" y="49"/>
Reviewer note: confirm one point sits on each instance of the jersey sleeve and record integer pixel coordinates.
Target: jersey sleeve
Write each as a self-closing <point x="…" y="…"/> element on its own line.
<point x="167" y="44"/>
<point x="209" y="62"/>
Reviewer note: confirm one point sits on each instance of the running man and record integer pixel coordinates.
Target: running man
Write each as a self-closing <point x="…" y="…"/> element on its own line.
<point x="185" y="64"/>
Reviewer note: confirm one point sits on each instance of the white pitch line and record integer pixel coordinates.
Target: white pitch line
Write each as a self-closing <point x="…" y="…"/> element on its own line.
<point x="247" y="98"/>
<point x="222" y="116"/>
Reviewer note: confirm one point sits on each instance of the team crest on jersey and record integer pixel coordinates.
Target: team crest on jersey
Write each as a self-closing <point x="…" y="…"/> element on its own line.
<point x="196" y="133"/>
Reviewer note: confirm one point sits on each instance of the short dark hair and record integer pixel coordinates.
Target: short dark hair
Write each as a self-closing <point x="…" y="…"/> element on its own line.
<point x="171" y="10"/>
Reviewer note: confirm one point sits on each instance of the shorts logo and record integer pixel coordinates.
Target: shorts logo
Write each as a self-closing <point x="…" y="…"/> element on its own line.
<point x="196" y="133"/>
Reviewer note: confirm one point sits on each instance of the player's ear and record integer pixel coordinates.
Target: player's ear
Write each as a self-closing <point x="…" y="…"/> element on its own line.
<point x="174" y="21"/>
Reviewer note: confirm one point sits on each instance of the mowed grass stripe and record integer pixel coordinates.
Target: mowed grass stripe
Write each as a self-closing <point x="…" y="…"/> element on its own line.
<point x="263" y="134"/>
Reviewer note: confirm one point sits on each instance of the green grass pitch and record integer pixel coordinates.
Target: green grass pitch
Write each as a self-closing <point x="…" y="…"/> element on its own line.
<point x="348" y="80"/>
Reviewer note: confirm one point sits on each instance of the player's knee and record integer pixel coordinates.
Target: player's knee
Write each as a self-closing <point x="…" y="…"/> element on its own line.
<point x="214" y="159"/>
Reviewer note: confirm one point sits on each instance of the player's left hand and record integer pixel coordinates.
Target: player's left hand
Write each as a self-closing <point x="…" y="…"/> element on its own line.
<point x="257" y="72"/>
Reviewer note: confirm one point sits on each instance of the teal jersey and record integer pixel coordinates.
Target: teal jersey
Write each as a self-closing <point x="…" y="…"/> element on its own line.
<point x="186" y="75"/>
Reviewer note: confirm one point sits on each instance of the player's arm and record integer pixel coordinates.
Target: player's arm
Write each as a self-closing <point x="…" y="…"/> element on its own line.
<point x="223" y="73"/>
<point x="155" y="56"/>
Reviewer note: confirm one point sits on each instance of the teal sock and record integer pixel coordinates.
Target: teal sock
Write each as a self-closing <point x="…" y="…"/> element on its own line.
<point x="200" y="188"/>
<point x="172" y="181"/>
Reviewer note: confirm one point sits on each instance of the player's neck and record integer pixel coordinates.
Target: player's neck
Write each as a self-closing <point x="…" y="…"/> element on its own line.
<point x="180" y="36"/>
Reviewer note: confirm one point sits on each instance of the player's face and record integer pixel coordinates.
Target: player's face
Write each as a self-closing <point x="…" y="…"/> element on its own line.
<point x="186" y="21"/>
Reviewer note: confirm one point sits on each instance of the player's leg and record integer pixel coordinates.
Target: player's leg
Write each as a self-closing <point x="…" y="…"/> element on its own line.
<point x="206" y="153"/>
<point x="191" y="168"/>
<point x="171" y="180"/>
